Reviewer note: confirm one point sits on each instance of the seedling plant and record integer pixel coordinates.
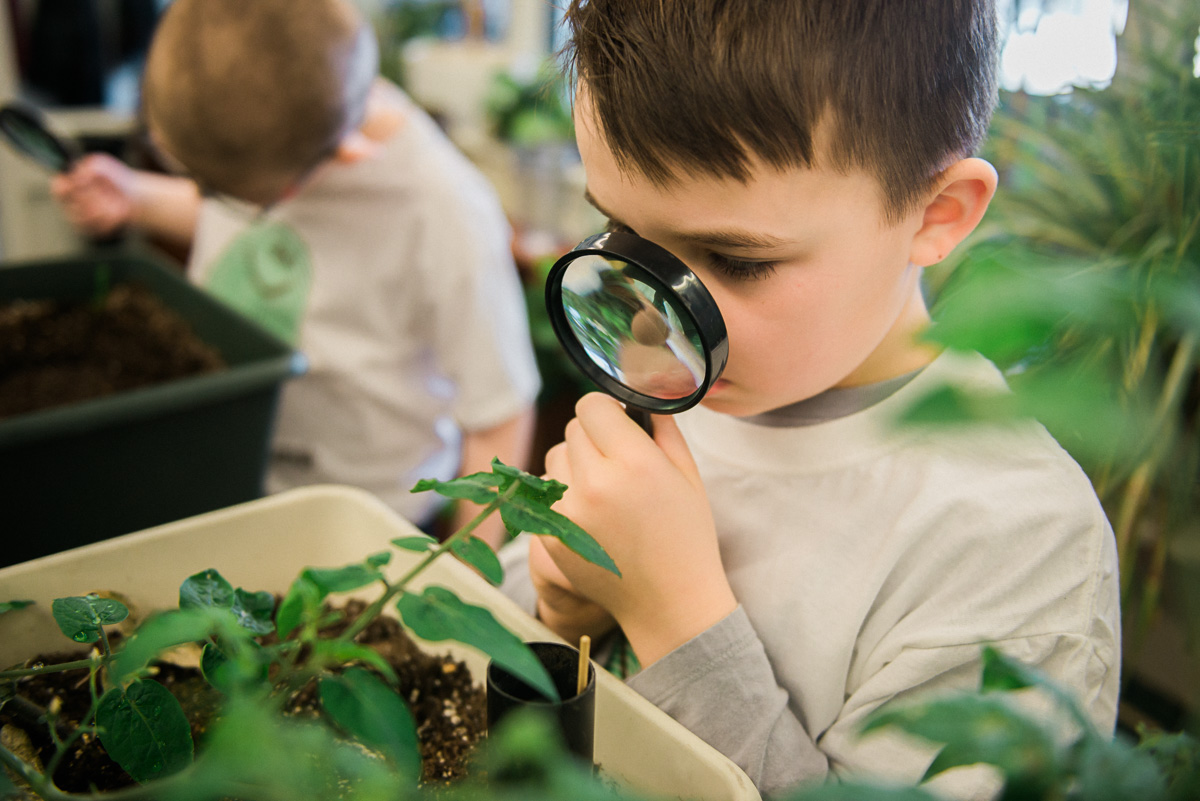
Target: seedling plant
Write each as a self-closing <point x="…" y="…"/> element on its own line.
<point x="258" y="656"/>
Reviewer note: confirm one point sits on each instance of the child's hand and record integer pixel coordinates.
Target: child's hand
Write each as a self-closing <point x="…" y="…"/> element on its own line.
<point x="567" y="613"/>
<point x="643" y="501"/>
<point x="96" y="196"/>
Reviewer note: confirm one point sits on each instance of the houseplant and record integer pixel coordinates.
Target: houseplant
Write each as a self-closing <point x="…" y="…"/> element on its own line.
<point x="263" y="545"/>
<point x="111" y="465"/>
<point x="1032" y="758"/>
<point x="1084" y="285"/>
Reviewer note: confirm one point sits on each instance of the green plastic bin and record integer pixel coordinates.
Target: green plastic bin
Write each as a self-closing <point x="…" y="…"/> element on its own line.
<point x="88" y="471"/>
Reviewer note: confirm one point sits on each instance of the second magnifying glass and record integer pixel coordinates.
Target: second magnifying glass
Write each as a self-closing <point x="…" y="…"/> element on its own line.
<point x="638" y="323"/>
<point x="26" y="130"/>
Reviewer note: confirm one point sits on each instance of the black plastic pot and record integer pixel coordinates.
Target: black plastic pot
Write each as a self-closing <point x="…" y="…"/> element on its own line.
<point x="574" y="715"/>
<point x="88" y="471"/>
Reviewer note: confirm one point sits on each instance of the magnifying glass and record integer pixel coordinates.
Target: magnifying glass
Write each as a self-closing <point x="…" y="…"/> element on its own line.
<point x="26" y="131"/>
<point x="638" y="323"/>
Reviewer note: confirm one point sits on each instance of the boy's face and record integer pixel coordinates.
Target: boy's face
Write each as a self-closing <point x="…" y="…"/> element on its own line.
<point x="816" y="289"/>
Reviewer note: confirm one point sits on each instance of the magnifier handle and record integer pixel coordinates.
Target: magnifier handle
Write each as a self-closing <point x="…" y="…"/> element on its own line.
<point x="642" y="418"/>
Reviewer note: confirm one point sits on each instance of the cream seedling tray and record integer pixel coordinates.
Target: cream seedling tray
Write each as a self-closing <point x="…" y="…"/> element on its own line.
<point x="264" y="544"/>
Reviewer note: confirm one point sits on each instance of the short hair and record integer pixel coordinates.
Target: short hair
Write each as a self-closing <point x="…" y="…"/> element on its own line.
<point x="249" y="95"/>
<point x="905" y="86"/>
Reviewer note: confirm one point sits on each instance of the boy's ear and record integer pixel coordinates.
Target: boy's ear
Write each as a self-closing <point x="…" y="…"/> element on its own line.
<point x="354" y="147"/>
<point x="964" y="192"/>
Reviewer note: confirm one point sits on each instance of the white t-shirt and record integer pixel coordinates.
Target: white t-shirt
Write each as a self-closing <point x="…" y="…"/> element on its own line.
<point x="872" y="563"/>
<point x="409" y="311"/>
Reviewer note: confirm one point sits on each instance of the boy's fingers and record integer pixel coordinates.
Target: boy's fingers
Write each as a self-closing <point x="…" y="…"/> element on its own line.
<point x="605" y="422"/>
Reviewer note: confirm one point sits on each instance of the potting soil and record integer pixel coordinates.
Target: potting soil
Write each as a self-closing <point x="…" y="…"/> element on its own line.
<point x="449" y="709"/>
<point x="54" y="353"/>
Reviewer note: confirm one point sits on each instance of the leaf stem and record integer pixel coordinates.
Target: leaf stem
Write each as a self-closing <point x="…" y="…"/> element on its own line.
<point x="17" y="673"/>
<point x="398" y="587"/>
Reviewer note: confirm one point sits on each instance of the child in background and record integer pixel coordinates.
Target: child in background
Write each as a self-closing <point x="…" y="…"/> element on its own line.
<point x="792" y="559"/>
<point x="323" y="203"/>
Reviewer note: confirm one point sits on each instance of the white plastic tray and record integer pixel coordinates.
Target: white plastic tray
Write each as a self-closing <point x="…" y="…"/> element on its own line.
<point x="263" y="545"/>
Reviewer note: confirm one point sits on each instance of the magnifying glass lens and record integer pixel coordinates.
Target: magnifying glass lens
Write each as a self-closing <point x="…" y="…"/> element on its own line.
<point x="629" y="328"/>
<point x="637" y="322"/>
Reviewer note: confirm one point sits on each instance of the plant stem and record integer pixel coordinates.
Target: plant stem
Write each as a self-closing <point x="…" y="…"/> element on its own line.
<point x="17" y="673"/>
<point x="395" y="589"/>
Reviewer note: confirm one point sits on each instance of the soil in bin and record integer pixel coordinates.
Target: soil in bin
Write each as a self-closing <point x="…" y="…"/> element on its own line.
<point x="54" y="353"/>
<point x="450" y="710"/>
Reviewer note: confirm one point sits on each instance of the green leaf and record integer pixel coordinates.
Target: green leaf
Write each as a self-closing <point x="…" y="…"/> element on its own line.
<point x="366" y="708"/>
<point x="342" y="579"/>
<point x="975" y="729"/>
<point x="169" y="629"/>
<point x="207" y="588"/>
<point x="9" y="606"/>
<point x="1001" y="672"/>
<point x="303" y="601"/>
<point x="338" y="652"/>
<point x="1112" y="770"/>
<point x="419" y="544"/>
<point x="144" y="729"/>
<point x="478" y="488"/>
<point x="226" y="674"/>
<point x="543" y="490"/>
<point x="254" y="610"/>
<point x="81" y="617"/>
<point x="438" y="614"/>
<point x="523" y="514"/>
<point x="479" y="554"/>
<point x="1178" y="758"/>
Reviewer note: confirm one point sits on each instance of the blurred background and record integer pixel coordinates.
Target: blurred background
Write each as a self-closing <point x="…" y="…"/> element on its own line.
<point x="1082" y="283"/>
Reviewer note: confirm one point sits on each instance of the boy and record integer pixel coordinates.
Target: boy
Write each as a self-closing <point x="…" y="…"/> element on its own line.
<point x="341" y="218"/>
<point x="791" y="560"/>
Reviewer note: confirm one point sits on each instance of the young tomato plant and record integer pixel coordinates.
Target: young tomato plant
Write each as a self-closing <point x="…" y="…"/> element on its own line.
<point x="258" y="656"/>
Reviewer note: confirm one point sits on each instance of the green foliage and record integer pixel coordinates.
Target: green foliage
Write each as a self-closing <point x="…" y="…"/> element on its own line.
<point x="144" y="730"/>
<point x="372" y="713"/>
<point x="365" y="745"/>
<point x="438" y="614"/>
<point x="1083" y="283"/>
<point x="83" y="618"/>
<point x="1034" y="757"/>
<point x="533" y="110"/>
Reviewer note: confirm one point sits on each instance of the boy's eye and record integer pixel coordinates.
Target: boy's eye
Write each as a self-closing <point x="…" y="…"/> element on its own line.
<point x="736" y="269"/>
<point x="740" y="270"/>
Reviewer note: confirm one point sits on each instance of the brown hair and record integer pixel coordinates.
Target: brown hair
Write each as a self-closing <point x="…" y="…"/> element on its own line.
<point x="248" y="95"/>
<point x="904" y="86"/>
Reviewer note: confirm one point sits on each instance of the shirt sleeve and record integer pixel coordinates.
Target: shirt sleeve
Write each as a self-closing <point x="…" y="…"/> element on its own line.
<point x="744" y="713"/>
<point x="721" y="686"/>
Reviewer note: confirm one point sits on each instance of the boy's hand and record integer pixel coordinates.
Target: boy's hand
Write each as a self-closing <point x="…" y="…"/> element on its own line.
<point x="567" y="613"/>
<point x="96" y="196"/>
<point x="643" y="501"/>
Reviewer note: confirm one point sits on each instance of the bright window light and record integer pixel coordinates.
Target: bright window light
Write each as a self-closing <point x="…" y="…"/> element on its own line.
<point x="1056" y="45"/>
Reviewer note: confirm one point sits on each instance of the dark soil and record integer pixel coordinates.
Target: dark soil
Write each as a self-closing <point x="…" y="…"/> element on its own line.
<point x="54" y="353"/>
<point x="450" y="711"/>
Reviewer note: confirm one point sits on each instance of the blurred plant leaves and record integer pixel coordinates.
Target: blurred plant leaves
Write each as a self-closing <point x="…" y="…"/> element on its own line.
<point x="438" y="614"/>
<point x="144" y="729"/>
<point x="366" y="708"/>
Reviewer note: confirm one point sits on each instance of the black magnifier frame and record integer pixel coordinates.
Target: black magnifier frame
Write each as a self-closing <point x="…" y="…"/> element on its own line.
<point x="22" y="125"/>
<point x="662" y="270"/>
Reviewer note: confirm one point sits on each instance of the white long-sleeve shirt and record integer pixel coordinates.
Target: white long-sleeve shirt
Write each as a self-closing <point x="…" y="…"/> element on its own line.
<point x="872" y="564"/>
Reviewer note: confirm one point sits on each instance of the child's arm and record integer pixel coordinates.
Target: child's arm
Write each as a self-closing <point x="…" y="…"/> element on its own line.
<point x="102" y="195"/>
